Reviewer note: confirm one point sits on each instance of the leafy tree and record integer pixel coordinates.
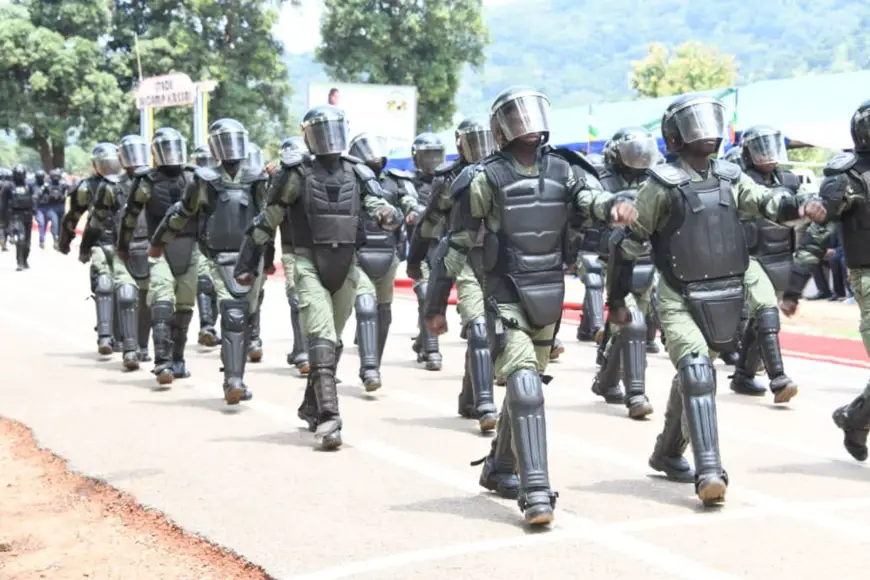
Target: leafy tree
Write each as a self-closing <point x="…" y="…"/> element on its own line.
<point x="52" y="85"/>
<point x="395" y="42"/>
<point x="690" y="67"/>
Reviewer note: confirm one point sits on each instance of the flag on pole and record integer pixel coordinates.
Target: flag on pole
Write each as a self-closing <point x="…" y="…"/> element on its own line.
<point x="732" y="126"/>
<point x="592" y="132"/>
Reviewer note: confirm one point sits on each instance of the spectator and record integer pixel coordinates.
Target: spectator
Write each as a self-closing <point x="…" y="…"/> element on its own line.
<point x="334" y="97"/>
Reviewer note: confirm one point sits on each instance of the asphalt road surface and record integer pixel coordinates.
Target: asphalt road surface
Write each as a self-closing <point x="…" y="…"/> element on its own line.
<point x="400" y="499"/>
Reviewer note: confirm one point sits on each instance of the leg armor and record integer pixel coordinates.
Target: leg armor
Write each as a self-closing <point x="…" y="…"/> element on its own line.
<point x="606" y="383"/>
<point x="671" y="444"/>
<point x="633" y="353"/>
<point x="743" y="380"/>
<point x="367" y="333"/>
<point x="255" y="345"/>
<point x="162" y="318"/>
<point x="234" y="317"/>
<point x="478" y="363"/>
<point x="180" y="326"/>
<point x="499" y="473"/>
<point x="593" y="300"/>
<point x="205" y="304"/>
<point x="105" y="301"/>
<point x="299" y="356"/>
<point x="767" y="329"/>
<point x="427" y="343"/>
<point x="385" y="319"/>
<point x="525" y="403"/>
<point x="698" y="379"/>
<point x="558" y="348"/>
<point x="322" y="354"/>
<point x="127" y="297"/>
<point x="466" y="395"/>
<point x="144" y="326"/>
<point x="854" y="420"/>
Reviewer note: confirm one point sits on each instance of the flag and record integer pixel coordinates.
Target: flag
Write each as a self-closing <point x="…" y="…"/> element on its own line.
<point x="592" y="132"/>
<point x="732" y="126"/>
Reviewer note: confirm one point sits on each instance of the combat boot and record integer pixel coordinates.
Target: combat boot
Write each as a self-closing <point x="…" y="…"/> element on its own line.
<point x="854" y="420"/>
<point x="298" y="357"/>
<point x="205" y="304"/>
<point x="426" y="346"/>
<point x="743" y="381"/>
<point x="105" y="304"/>
<point x="499" y="471"/>
<point x="234" y="316"/>
<point x="767" y="328"/>
<point x="322" y="354"/>
<point x="255" y="344"/>
<point x="668" y="455"/>
<point x="606" y="383"/>
<point x="632" y="345"/>
<point x="367" y="333"/>
<point x="162" y="318"/>
<point x="180" y="327"/>
<point x="127" y="298"/>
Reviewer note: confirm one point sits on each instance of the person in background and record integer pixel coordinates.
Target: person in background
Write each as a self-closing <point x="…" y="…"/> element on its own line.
<point x="50" y="203"/>
<point x="334" y="97"/>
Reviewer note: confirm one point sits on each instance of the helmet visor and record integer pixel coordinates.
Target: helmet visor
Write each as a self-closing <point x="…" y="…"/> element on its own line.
<point x="426" y="160"/>
<point x="476" y="145"/>
<point x="133" y="154"/>
<point x="861" y="130"/>
<point x="700" y="121"/>
<point x="767" y="149"/>
<point x="639" y="153"/>
<point x="255" y="160"/>
<point x="523" y="116"/>
<point x="327" y="137"/>
<point x="229" y="145"/>
<point x="169" y="152"/>
<point x="371" y="148"/>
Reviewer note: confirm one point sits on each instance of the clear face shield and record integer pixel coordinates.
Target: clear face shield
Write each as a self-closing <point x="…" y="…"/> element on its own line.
<point x="255" y="160"/>
<point x="766" y="149"/>
<point x="525" y="115"/>
<point x="701" y="121"/>
<point x="326" y="137"/>
<point x="169" y="152"/>
<point x="369" y="148"/>
<point x="229" y="145"/>
<point x="204" y="159"/>
<point x="106" y="161"/>
<point x="639" y="153"/>
<point x="427" y="159"/>
<point x="475" y="145"/>
<point x="133" y="154"/>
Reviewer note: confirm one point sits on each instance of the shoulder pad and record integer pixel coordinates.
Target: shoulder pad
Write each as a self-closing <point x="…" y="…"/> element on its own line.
<point x="252" y="176"/>
<point x="464" y="179"/>
<point x="400" y="174"/>
<point x="206" y="174"/>
<point x="669" y="175"/>
<point x="363" y="171"/>
<point x="352" y="159"/>
<point x="575" y="158"/>
<point x="143" y="171"/>
<point x="841" y="163"/>
<point x="726" y="169"/>
<point x="447" y="167"/>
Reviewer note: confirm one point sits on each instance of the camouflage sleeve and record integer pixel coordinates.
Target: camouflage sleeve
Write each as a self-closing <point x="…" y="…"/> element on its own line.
<point x="140" y="193"/>
<point x="776" y="203"/>
<point x="102" y="208"/>
<point x="591" y="202"/>
<point x="653" y="209"/>
<point x="260" y="190"/>
<point x="408" y="200"/>
<point x="177" y="218"/>
<point x="815" y="240"/>
<point x="283" y="192"/>
<point x="372" y="203"/>
<point x="470" y="209"/>
<point x="79" y="202"/>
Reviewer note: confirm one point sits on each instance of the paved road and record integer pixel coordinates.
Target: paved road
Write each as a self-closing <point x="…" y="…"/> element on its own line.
<point x="400" y="500"/>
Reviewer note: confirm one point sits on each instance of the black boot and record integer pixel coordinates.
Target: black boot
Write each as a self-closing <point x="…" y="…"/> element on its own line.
<point x="478" y="364"/>
<point x="205" y="304"/>
<point x="299" y="356"/>
<point x="632" y="338"/>
<point x="426" y="346"/>
<point x="234" y="317"/>
<point x="367" y="333"/>
<point x="767" y="327"/>
<point x="499" y="472"/>
<point x="743" y="381"/>
<point x="385" y="320"/>
<point x="162" y="318"/>
<point x="593" y="300"/>
<point x="668" y="455"/>
<point x="698" y="381"/>
<point x="127" y="298"/>
<point x="180" y="327"/>
<point x="144" y="325"/>
<point x="21" y="261"/>
<point x="255" y="344"/>
<point x="606" y="383"/>
<point x="854" y="420"/>
<point x="652" y="329"/>
<point x="525" y="403"/>
<point x="105" y="302"/>
<point x="322" y="354"/>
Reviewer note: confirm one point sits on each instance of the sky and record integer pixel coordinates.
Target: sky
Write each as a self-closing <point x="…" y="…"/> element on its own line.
<point x="299" y="28"/>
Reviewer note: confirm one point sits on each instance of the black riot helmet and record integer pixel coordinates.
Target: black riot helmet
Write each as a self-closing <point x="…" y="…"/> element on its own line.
<point x="371" y="149"/>
<point x="294" y="144"/>
<point x="168" y="148"/>
<point x="474" y="140"/>
<point x="325" y="130"/>
<point x="228" y="140"/>
<point x="763" y="146"/>
<point x="632" y="148"/>
<point x="202" y="157"/>
<point x="860" y="128"/>
<point x="55" y="174"/>
<point x="428" y="152"/>
<point x="520" y="113"/>
<point x="255" y="161"/>
<point x="39" y="177"/>
<point x="19" y="174"/>
<point x="104" y="159"/>
<point x="694" y="119"/>
<point x="133" y="151"/>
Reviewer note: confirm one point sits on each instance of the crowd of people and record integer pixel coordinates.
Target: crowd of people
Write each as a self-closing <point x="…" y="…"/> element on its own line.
<point x="703" y="249"/>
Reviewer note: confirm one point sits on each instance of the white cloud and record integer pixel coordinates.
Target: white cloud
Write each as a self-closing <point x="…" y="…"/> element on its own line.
<point x="299" y="28"/>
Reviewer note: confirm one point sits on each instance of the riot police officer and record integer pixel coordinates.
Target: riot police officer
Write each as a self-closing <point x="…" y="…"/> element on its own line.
<point x="52" y="205"/>
<point x="428" y="153"/>
<point x="772" y="246"/>
<point x="690" y="210"/>
<point x="519" y="195"/>
<point x="172" y="276"/>
<point x="206" y="297"/>
<point x="5" y="177"/>
<point x="202" y="157"/>
<point x="228" y="198"/>
<point x="631" y="152"/>
<point x="16" y="214"/>
<point x="585" y="247"/>
<point x="40" y="193"/>
<point x="324" y="194"/>
<point x="378" y="258"/>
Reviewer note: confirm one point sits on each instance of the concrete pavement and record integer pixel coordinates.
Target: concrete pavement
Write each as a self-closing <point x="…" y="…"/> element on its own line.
<point x="400" y="500"/>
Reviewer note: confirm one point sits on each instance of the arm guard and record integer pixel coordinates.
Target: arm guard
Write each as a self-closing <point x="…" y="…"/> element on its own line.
<point x="797" y="281"/>
<point x="788" y="209"/>
<point x="419" y="247"/>
<point x="163" y="227"/>
<point x="619" y="271"/>
<point x="259" y="223"/>
<point x="440" y="284"/>
<point x="833" y="193"/>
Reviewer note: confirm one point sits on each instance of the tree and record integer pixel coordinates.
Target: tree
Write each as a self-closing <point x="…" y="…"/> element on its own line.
<point x="395" y="42"/>
<point x="52" y="82"/>
<point x="691" y="67"/>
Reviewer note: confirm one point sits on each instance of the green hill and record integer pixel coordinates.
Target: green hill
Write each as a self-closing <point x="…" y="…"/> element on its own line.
<point x="580" y="51"/>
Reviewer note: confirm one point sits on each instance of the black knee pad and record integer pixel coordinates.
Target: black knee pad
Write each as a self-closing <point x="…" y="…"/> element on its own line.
<point x="477" y="335"/>
<point x="234" y="315"/>
<point x="525" y="392"/>
<point x="322" y="354"/>
<point x="767" y="321"/>
<point x="697" y="375"/>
